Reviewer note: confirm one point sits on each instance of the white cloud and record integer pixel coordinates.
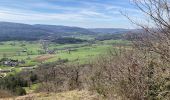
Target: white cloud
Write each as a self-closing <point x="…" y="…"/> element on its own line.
<point x="89" y="15"/>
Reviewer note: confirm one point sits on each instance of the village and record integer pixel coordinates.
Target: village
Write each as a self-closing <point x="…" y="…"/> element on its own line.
<point x="10" y="65"/>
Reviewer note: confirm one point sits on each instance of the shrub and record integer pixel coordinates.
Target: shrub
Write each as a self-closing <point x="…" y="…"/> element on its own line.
<point x="20" y="91"/>
<point x="13" y="84"/>
<point x="129" y="74"/>
<point x="33" y="78"/>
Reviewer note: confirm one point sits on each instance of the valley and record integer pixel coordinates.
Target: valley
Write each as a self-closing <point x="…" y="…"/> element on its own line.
<point x="84" y="49"/>
<point x="32" y="53"/>
<point x="26" y="51"/>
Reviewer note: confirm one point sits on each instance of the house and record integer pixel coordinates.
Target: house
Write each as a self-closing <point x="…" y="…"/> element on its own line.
<point x="10" y="62"/>
<point x="51" y="51"/>
<point x="5" y="70"/>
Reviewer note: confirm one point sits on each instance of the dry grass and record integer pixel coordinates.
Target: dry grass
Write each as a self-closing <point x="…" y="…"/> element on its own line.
<point x="4" y="94"/>
<point x="69" y="95"/>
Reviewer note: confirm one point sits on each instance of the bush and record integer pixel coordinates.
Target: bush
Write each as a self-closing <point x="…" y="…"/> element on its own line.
<point x="33" y="78"/>
<point x="61" y="77"/>
<point x="20" y="91"/>
<point x="14" y="84"/>
<point x="130" y="75"/>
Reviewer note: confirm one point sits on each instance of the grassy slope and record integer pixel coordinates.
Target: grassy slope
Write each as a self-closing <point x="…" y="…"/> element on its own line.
<point x="69" y="95"/>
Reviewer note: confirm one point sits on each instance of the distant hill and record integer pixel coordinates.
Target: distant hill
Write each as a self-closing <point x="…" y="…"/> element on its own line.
<point x="18" y="31"/>
<point x="64" y="30"/>
<point x="109" y="30"/>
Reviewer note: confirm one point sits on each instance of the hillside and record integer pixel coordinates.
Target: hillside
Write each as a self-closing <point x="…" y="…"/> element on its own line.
<point x="64" y="30"/>
<point x="18" y="31"/>
<point x="109" y="30"/>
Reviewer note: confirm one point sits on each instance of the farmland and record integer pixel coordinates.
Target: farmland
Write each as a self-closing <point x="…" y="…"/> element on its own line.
<point x="31" y="53"/>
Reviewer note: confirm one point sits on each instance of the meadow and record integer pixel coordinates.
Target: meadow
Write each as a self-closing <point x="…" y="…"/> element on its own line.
<point x="74" y="53"/>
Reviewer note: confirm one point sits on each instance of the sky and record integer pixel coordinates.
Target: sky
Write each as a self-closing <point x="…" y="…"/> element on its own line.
<point x="81" y="13"/>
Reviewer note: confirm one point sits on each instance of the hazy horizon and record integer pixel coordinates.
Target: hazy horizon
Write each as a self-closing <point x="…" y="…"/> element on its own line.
<point x="69" y="25"/>
<point x="85" y="13"/>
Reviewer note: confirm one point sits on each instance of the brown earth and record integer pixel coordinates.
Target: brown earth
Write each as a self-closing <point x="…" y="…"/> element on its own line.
<point x="43" y="58"/>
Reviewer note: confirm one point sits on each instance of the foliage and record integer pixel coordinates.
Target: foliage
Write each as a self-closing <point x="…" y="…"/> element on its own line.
<point x="110" y="37"/>
<point x="20" y="91"/>
<point x="13" y="83"/>
<point x="68" y="40"/>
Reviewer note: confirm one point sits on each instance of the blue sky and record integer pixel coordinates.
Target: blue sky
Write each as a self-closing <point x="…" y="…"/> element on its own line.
<point x="82" y="13"/>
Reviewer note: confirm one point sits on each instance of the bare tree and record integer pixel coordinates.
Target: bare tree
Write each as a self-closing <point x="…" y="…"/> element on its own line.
<point x="154" y="39"/>
<point x="141" y="73"/>
<point x="45" y="45"/>
<point x="156" y="35"/>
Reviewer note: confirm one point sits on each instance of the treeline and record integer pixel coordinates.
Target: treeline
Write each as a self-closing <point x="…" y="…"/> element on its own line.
<point x="110" y="37"/>
<point x="10" y="38"/>
<point x="61" y="40"/>
<point x="68" y="40"/>
<point x="13" y="84"/>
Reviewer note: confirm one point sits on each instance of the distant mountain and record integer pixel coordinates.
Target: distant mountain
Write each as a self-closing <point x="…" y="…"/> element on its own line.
<point x="18" y="31"/>
<point x="109" y="30"/>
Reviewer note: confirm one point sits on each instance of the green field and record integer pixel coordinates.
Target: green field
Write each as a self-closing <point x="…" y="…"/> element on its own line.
<point x="79" y="53"/>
